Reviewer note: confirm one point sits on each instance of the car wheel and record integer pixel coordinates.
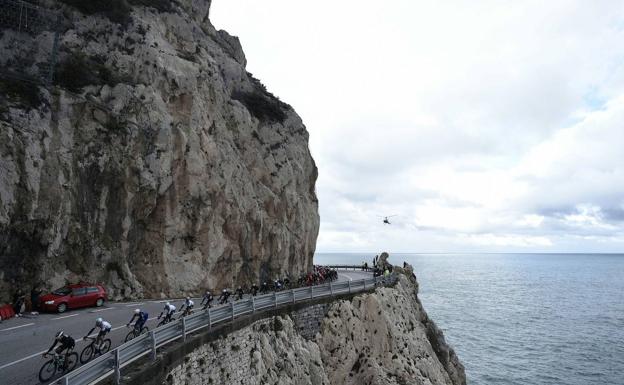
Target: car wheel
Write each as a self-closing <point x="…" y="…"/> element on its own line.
<point x="99" y="302"/>
<point x="61" y="308"/>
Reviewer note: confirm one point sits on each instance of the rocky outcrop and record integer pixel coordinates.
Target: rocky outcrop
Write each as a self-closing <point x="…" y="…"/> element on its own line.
<point x="156" y="164"/>
<point x="380" y="338"/>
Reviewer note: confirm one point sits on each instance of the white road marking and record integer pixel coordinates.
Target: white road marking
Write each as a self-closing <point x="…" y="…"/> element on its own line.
<point x="43" y="351"/>
<point x="67" y="316"/>
<point x="135" y="304"/>
<point x="16" y="327"/>
<point x="22" y="359"/>
<point x="105" y="309"/>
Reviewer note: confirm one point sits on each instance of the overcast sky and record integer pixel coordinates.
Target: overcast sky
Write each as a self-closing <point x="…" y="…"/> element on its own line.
<point x="486" y="126"/>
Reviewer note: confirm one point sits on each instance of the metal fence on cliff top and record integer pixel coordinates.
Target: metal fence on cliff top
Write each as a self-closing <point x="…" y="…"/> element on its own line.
<point x="111" y="363"/>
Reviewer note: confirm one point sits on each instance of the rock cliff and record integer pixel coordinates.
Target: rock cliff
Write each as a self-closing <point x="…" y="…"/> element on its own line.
<point x="155" y="164"/>
<point x="384" y="337"/>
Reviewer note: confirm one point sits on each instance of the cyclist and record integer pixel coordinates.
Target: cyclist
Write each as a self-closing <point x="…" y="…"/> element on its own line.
<point x="168" y="311"/>
<point x="239" y="293"/>
<point x="188" y="302"/>
<point x="208" y="298"/>
<point x="225" y="294"/>
<point x="141" y="317"/>
<point x="65" y="342"/>
<point x="105" y="328"/>
<point x="254" y="289"/>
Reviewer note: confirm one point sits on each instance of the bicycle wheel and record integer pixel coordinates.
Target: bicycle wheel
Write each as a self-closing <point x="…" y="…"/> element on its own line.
<point x="86" y="354"/>
<point x="47" y="371"/>
<point x="105" y="346"/>
<point x="71" y="360"/>
<point x="145" y="330"/>
<point x="161" y="323"/>
<point x="130" y="336"/>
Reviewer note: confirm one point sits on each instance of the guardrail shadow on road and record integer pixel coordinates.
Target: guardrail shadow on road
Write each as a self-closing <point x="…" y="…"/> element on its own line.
<point x="111" y="363"/>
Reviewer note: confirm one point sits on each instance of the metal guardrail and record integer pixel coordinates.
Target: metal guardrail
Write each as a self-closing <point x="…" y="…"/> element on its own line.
<point x="350" y="267"/>
<point x="112" y="362"/>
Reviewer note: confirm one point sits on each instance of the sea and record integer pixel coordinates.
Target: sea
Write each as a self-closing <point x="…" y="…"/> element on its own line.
<point x="538" y="319"/>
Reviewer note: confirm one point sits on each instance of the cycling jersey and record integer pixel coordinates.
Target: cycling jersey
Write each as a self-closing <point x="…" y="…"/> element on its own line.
<point x="141" y="318"/>
<point x="65" y="343"/>
<point x="105" y="326"/>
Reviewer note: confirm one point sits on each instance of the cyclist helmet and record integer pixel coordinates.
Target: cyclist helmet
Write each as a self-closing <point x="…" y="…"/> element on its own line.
<point x="137" y="311"/>
<point x="98" y="321"/>
<point x="188" y="299"/>
<point x="167" y="304"/>
<point x="59" y="335"/>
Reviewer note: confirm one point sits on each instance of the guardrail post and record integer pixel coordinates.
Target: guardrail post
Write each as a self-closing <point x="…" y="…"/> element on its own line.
<point x="184" y="329"/>
<point x="275" y="298"/>
<point x="331" y="289"/>
<point x="311" y="293"/>
<point x="65" y="380"/>
<point x="253" y="304"/>
<point x="349" y="287"/>
<point x="293" y="295"/>
<point x="153" y="338"/>
<point x="364" y="281"/>
<point x="232" y="310"/>
<point x="209" y="321"/>
<point x="117" y="370"/>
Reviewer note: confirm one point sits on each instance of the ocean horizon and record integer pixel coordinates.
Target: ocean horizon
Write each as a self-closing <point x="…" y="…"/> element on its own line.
<point x="523" y="318"/>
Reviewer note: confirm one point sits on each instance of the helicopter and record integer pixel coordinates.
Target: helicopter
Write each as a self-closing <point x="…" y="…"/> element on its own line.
<point x="385" y="219"/>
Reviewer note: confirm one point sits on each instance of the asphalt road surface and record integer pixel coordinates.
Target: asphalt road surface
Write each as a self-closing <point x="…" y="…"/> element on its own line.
<point x="24" y="340"/>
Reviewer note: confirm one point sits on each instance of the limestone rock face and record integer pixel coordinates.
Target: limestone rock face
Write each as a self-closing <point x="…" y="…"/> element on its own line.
<point x="384" y="337"/>
<point x="156" y="164"/>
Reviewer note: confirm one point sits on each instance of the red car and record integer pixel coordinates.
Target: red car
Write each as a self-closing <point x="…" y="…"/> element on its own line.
<point x="73" y="297"/>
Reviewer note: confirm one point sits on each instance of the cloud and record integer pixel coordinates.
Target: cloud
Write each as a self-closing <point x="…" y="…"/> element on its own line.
<point x="486" y="125"/>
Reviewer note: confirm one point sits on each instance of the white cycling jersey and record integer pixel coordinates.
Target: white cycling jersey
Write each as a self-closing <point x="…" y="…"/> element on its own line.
<point x="105" y="326"/>
<point x="170" y="309"/>
<point x="190" y="303"/>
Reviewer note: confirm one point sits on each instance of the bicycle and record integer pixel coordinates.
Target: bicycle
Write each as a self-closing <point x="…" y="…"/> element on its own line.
<point x="58" y="364"/>
<point x="91" y="351"/>
<point x="165" y="320"/>
<point x="134" y="333"/>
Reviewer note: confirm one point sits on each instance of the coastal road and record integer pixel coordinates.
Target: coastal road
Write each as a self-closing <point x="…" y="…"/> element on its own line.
<point x="23" y="340"/>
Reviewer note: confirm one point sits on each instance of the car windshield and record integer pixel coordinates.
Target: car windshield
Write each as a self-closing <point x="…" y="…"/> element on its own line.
<point x="62" y="291"/>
